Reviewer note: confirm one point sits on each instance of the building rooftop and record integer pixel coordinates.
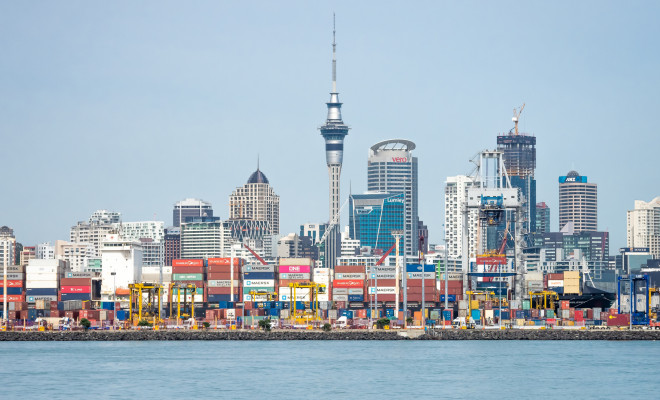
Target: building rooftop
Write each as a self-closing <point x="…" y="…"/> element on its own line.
<point x="257" y="177"/>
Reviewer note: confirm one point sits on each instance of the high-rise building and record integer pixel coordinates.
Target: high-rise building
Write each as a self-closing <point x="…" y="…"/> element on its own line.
<point x="45" y="251"/>
<point x="256" y="201"/>
<point x="202" y="237"/>
<point x="519" y="154"/>
<point x="314" y="231"/>
<point x="78" y="255"/>
<point x="373" y="217"/>
<point x="393" y="169"/>
<point x="152" y="236"/>
<point x="28" y="253"/>
<point x="99" y="225"/>
<point x="334" y="131"/>
<point x="190" y="208"/>
<point x="643" y="226"/>
<point x="172" y="244"/>
<point x="7" y="246"/>
<point x="542" y="218"/>
<point x="456" y="196"/>
<point x="578" y="202"/>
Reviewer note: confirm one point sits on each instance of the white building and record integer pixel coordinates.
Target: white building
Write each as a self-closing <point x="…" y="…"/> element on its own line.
<point x="77" y="254"/>
<point x="45" y="251"/>
<point x="643" y="227"/>
<point x="152" y="236"/>
<point x="456" y="189"/>
<point x="100" y="224"/>
<point x="202" y="239"/>
<point x="121" y="264"/>
<point x="7" y="246"/>
<point x="348" y="246"/>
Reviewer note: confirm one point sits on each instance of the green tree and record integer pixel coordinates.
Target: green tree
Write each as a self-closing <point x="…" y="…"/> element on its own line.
<point x="206" y="325"/>
<point x="409" y="320"/>
<point x="85" y="323"/>
<point x="327" y="327"/>
<point x="380" y="324"/>
<point x="265" y="324"/>
<point x="144" y="322"/>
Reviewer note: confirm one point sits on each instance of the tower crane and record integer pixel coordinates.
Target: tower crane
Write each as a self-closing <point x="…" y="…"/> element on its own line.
<point x="516" y="116"/>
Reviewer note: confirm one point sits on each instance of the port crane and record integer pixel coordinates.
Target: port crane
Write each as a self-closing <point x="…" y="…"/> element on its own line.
<point x="315" y="290"/>
<point x="145" y="302"/>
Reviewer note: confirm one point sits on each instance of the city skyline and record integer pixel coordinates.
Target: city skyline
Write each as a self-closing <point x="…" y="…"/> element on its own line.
<point x="97" y="102"/>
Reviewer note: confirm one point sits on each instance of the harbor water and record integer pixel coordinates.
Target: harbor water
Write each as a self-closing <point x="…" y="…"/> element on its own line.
<point x="328" y="369"/>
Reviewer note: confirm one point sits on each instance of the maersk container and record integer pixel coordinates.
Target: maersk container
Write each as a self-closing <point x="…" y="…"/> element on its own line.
<point x="355" y="297"/>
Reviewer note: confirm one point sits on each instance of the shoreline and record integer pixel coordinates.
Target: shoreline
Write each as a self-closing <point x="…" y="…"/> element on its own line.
<point x="454" y="334"/>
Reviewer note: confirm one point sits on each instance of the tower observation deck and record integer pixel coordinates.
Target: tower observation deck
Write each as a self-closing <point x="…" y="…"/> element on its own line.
<point x="333" y="131"/>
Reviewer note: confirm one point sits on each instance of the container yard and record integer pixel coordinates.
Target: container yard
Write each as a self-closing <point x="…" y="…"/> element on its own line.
<point x="224" y="293"/>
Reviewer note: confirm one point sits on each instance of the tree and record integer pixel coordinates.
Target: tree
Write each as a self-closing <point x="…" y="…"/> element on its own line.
<point x="265" y="324"/>
<point x="327" y="327"/>
<point x="206" y="325"/>
<point x="409" y="320"/>
<point x="380" y="324"/>
<point x="85" y="323"/>
<point x="144" y="322"/>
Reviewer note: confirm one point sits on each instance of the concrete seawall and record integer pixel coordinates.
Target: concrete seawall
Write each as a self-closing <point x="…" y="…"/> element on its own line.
<point x="511" y="334"/>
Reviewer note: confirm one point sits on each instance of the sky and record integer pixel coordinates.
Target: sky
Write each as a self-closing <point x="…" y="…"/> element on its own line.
<point x="133" y="106"/>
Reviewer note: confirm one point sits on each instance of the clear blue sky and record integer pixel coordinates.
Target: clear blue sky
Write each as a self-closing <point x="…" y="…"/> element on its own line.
<point x="132" y="106"/>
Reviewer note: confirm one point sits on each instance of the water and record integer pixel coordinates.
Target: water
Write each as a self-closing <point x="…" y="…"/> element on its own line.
<point x="332" y="370"/>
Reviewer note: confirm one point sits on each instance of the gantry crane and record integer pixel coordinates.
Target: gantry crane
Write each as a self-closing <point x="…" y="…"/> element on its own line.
<point x="316" y="289"/>
<point x="545" y="299"/>
<point x="188" y="308"/>
<point x="145" y="302"/>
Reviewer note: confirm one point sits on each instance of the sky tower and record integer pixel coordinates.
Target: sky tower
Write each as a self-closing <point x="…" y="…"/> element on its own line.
<point x="333" y="131"/>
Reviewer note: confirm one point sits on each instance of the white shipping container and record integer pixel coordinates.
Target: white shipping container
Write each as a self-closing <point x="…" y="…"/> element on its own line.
<point x="294" y="275"/>
<point x="41" y="284"/>
<point x="43" y="276"/>
<point x="40" y="269"/>
<point x="489" y="314"/>
<point x="259" y="268"/>
<point x="231" y="313"/>
<point x="463" y="304"/>
<point x="383" y="275"/>
<point x="296" y="261"/>
<point x="332" y="314"/>
<point x="339" y="291"/>
<point x="322" y="272"/>
<point x="418" y="275"/>
<point x="382" y="290"/>
<point x="259" y="283"/>
<point x="349" y="276"/>
<point x="382" y="269"/>
<point x="323" y="297"/>
<point x="285" y="294"/>
<point x="453" y="276"/>
<point x="356" y="291"/>
<point x="32" y="299"/>
<point x="14" y="276"/>
<point x="340" y="297"/>
<point x="219" y="283"/>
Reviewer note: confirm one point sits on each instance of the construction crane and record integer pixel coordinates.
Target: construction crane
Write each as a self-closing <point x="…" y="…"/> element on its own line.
<point x="254" y="253"/>
<point x="145" y="302"/>
<point x="331" y="225"/>
<point x="516" y="117"/>
<point x="315" y="290"/>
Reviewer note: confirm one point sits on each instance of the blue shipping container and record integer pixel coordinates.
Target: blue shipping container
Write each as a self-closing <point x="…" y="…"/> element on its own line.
<point x="121" y="315"/>
<point x="520" y="314"/>
<point x="221" y="299"/>
<point x="274" y="312"/>
<point x="300" y="305"/>
<point x="355" y="297"/>
<point x="41" y="292"/>
<point x="108" y="305"/>
<point x="259" y="275"/>
<point x="12" y="290"/>
<point x="418" y="268"/>
<point x="390" y="313"/>
<point x="447" y="314"/>
<point x="347" y="313"/>
<point x="76" y="296"/>
<point x="476" y="315"/>
<point x="451" y="298"/>
<point x="506" y="315"/>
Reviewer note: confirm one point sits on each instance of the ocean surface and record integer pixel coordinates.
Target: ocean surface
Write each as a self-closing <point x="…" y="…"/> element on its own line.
<point x="329" y="370"/>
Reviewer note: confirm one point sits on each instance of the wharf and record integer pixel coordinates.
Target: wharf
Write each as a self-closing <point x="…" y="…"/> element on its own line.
<point x="449" y="334"/>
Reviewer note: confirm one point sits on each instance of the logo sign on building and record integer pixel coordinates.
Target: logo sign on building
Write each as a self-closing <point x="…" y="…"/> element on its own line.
<point x="399" y="159"/>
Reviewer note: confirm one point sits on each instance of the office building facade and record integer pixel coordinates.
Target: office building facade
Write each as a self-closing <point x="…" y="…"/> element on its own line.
<point x="542" y="218"/>
<point x="256" y="201"/>
<point x="578" y="202"/>
<point x="373" y="217"/>
<point x="190" y="208"/>
<point x="643" y="226"/>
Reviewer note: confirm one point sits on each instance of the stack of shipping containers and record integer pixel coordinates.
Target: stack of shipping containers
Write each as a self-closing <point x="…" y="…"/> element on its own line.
<point x="76" y="286"/>
<point x="258" y="278"/>
<point x="421" y="278"/>
<point x="348" y="286"/>
<point x="186" y="271"/>
<point x="571" y="282"/>
<point x="220" y="280"/>
<point x="42" y="279"/>
<point x="15" y="290"/>
<point x="382" y="286"/>
<point x="322" y="276"/>
<point x="292" y="270"/>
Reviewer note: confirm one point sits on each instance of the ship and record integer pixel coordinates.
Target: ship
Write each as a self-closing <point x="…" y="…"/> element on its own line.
<point x="590" y="297"/>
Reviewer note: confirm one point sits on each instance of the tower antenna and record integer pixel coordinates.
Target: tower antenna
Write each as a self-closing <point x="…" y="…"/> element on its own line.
<point x="334" y="56"/>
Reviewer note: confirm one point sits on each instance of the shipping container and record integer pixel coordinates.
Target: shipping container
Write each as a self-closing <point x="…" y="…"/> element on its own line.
<point x="260" y="275"/>
<point x="350" y="269"/>
<point x="352" y="283"/>
<point x="295" y="269"/>
<point x="188" y="269"/>
<point x="418" y="268"/>
<point x="187" y="277"/>
<point x="350" y="275"/>
<point x="188" y="262"/>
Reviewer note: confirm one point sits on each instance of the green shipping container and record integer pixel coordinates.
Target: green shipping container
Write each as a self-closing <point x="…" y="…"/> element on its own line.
<point x="187" y="277"/>
<point x="198" y="291"/>
<point x="526" y="305"/>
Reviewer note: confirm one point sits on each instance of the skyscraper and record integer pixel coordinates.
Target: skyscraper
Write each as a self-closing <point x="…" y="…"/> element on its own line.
<point x="333" y="131"/>
<point x="643" y="226"/>
<point x="373" y="217"/>
<point x="519" y="154"/>
<point x="7" y="246"/>
<point x="190" y="208"/>
<point x="578" y="202"/>
<point x="256" y="201"/>
<point x="542" y="218"/>
<point x="456" y="190"/>
<point x="393" y="169"/>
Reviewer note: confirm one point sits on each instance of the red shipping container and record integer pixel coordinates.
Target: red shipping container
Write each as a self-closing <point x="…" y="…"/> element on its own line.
<point x="355" y="269"/>
<point x="418" y="290"/>
<point x="76" y="289"/>
<point x="382" y="282"/>
<point x="187" y="262"/>
<point x="11" y="283"/>
<point x="222" y="276"/>
<point x="89" y="314"/>
<point x="188" y="269"/>
<point x="579" y="316"/>
<point x="223" y="290"/>
<point x="565" y="304"/>
<point x="223" y="269"/>
<point x="384" y="297"/>
<point x="418" y="282"/>
<point x="199" y="284"/>
<point x="340" y="304"/>
<point x="619" y="320"/>
<point x="226" y="261"/>
<point x="86" y="305"/>
<point x="248" y="305"/>
<point x="76" y="282"/>
<point x="23" y="314"/>
<point x="71" y="314"/>
<point x="348" y="283"/>
<point x="12" y="298"/>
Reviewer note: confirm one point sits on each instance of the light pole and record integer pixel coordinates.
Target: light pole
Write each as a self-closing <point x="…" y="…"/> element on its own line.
<point x="446" y="275"/>
<point x="397" y="233"/>
<point x="114" y="285"/>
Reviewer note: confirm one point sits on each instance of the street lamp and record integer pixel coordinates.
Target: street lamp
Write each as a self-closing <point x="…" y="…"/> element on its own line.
<point x="397" y="233"/>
